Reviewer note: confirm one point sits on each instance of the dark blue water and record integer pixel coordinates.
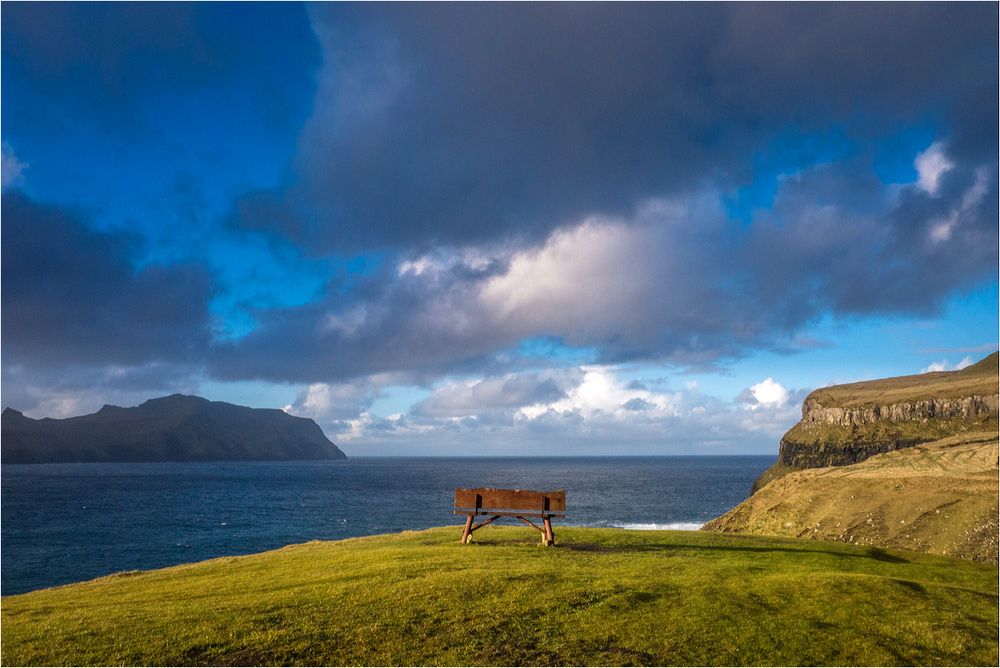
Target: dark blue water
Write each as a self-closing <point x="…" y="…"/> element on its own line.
<point x="68" y="522"/>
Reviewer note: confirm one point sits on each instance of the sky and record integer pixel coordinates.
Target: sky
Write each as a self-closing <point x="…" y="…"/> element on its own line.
<point x="496" y="229"/>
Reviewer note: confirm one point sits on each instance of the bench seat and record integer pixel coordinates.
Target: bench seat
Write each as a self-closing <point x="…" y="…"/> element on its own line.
<point x="518" y="503"/>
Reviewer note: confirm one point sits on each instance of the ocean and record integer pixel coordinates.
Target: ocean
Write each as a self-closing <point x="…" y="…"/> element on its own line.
<point x="62" y="523"/>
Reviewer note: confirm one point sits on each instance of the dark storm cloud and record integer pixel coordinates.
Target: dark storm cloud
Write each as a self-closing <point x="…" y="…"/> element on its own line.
<point x="423" y="327"/>
<point x="515" y="171"/>
<point x="64" y="60"/>
<point x="676" y="282"/>
<point x="834" y="240"/>
<point x="77" y="389"/>
<point x="461" y="123"/>
<point x="72" y="296"/>
<point x="470" y="126"/>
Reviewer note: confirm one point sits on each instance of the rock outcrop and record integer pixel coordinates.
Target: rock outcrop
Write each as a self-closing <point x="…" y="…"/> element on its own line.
<point x="177" y="428"/>
<point x="847" y="424"/>
<point x="968" y="408"/>
<point x="902" y="462"/>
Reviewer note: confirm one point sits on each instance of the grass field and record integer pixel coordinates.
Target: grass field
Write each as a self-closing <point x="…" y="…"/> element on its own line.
<point x="600" y="597"/>
<point x="980" y="379"/>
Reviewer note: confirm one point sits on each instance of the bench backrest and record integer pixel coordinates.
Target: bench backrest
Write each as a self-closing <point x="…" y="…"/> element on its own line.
<point x="500" y="500"/>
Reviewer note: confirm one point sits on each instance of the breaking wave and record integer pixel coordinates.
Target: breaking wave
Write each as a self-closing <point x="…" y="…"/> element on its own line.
<point x="672" y="526"/>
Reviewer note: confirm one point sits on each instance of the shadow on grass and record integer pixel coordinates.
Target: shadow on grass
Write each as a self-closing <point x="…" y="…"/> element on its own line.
<point x="912" y="586"/>
<point x="870" y="553"/>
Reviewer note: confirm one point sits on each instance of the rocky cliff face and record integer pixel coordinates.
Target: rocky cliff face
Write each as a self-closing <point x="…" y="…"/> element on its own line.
<point x="969" y="408"/>
<point x="847" y="424"/>
<point x="837" y="436"/>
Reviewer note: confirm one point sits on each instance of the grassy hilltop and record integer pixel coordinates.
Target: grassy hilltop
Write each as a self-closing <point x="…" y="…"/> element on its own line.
<point x="979" y="379"/>
<point x="601" y="597"/>
<point x="936" y="497"/>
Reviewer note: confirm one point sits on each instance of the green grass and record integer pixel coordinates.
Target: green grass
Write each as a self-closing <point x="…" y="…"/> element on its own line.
<point x="601" y="597"/>
<point x="979" y="379"/>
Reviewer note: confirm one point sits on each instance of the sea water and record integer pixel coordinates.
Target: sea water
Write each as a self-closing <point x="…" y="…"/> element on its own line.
<point x="64" y="523"/>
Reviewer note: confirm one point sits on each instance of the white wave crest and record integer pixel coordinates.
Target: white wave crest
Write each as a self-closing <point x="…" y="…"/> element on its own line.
<point x="669" y="526"/>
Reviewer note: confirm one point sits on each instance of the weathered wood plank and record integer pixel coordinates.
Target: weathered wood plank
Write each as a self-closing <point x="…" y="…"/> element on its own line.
<point x="530" y="523"/>
<point x="505" y="513"/>
<point x="510" y="499"/>
<point x="484" y="523"/>
<point x="468" y="529"/>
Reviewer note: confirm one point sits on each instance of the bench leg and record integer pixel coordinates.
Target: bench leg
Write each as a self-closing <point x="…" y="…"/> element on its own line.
<point x="541" y="530"/>
<point x="467" y="533"/>
<point x="550" y="536"/>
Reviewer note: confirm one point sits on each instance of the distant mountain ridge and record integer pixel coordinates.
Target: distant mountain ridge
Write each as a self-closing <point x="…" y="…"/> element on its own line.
<point x="176" y="428"/>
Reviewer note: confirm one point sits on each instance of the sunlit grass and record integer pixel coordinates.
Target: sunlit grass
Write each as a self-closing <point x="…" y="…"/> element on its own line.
<point x="601" y="597"/>
<point x="979" y="379"/>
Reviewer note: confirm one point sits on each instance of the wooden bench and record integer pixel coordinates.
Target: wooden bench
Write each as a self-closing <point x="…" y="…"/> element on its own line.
<point x="519" y="503"/>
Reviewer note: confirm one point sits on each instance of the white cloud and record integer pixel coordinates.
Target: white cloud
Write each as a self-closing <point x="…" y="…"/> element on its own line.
<point x="62" y="407"/>
<point x="979" y="189"/>
<point x="553" y="285"/>
<point x="941" y="230"/>
<point x="608" y="278"/>
<point x="601" y="393"/>
<point x="674" y="282"/>
<point x="326" y="402"/>
<point x="439" y="262"/>
<point x="473" y="398"/>
<point x="624" y="286"/>
<point x="600" y="413"/>
<point x="415" y="267"/>
<point x="11" y="169"/>
<point x="931" y="165"/>
<point x="768" y="393"/>
<point x="944" y="365"/>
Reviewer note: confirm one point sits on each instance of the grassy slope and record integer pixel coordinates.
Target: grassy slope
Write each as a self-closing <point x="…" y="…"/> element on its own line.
<point x="603" y="596"/>
<point x="978" y="379"/>
<point x="937" y="497"/>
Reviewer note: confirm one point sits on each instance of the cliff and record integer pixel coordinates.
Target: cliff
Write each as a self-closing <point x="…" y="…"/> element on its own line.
<point x="847" y="424"/>
<point x="175" y="428"/>
<point x="906" y="462"/>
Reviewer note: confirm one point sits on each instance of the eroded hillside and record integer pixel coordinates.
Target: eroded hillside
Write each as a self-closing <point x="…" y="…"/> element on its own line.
<point x="939" y="497"/>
